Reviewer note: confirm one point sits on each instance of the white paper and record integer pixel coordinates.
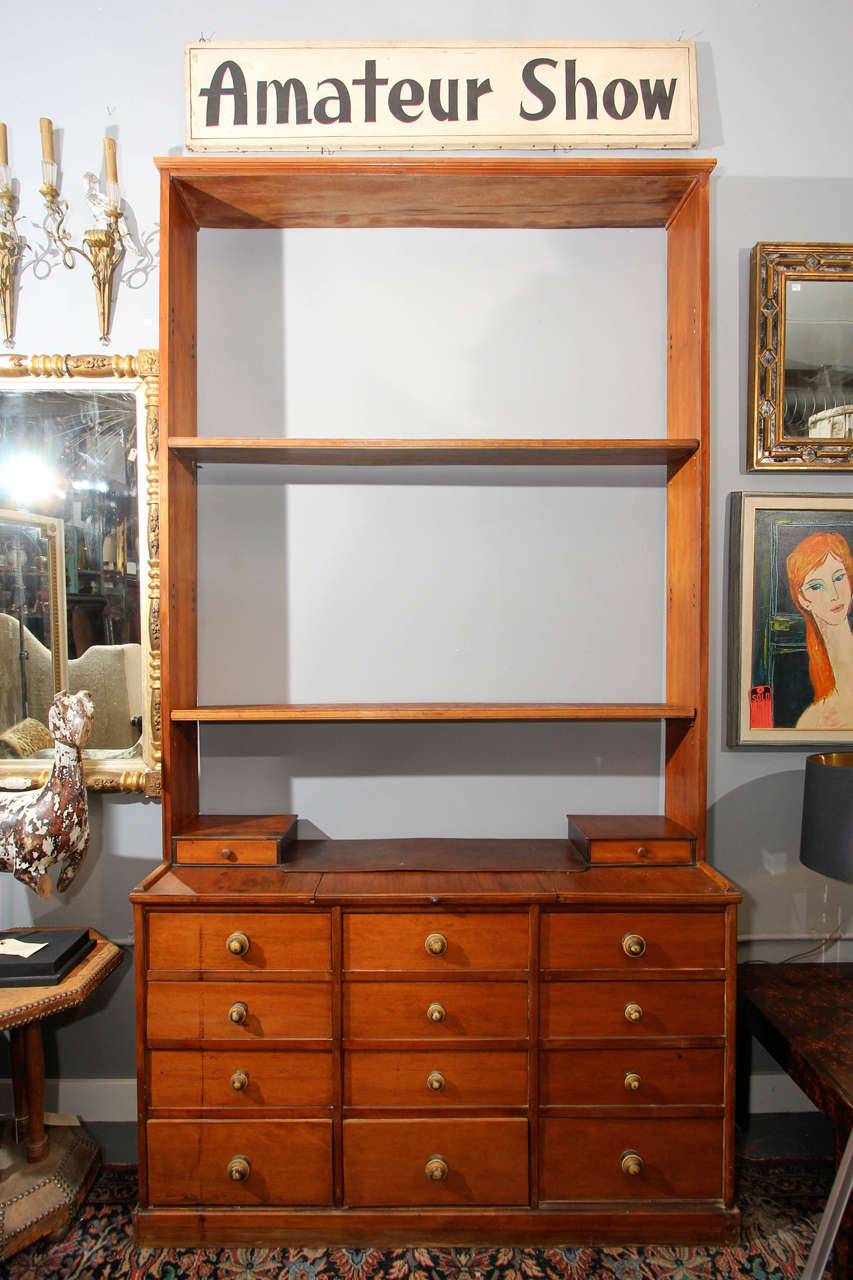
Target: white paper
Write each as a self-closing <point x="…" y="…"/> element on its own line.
<point x="17" y="947"/>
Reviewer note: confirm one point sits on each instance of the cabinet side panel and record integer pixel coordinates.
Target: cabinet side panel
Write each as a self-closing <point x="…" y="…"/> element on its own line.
<point x="687" y="512"/>
<point x="178" y="307"/>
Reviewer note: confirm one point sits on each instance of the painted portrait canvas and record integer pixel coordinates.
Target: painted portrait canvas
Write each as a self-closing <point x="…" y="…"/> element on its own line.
<point x="790" y="635"/>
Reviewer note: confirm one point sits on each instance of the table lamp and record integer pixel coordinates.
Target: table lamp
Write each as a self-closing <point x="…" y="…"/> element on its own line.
<point x="826" y="845"/>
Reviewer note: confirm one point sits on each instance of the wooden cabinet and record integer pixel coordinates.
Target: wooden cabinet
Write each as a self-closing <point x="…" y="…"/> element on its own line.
<point x="364" y="1041"/>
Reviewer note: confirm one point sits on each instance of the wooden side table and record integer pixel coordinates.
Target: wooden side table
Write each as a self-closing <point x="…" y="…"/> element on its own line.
<point x="803" y="1015"/>
<point x="44" y="1171"/>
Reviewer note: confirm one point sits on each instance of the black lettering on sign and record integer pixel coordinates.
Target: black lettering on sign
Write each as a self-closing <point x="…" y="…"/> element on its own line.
<point x="217" y="89"/>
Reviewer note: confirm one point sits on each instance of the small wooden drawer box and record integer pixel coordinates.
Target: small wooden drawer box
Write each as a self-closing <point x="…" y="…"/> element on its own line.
<point x="239" y="1011"/>
<point x="638" y="1009"/>
<point x="605" y="840"/>
<point x="435" y="1162"/>
<point x="435" y="1078"/>
<point x="236" y="1078"/>
<point x="631" y="1077"/>
<point x="235" y="841"/>
<point x="239" y="941"/>
<point x="242" y="1162"/>
<point x="435" y="941"/>
<point x="633" y="1158"/>
<point x="439" y="1010"/>
<point x="633" y="940"/>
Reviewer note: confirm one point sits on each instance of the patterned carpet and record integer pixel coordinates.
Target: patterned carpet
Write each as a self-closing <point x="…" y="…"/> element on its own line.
<point x="780" y="1201"/>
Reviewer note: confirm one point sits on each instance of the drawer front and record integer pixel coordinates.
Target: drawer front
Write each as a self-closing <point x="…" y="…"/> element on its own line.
<point x="682" y="1159"/>
<point x="237" y="1078"/>
<point x="482" y="1162"/>
<point x="670" y="940"/>
<point x="203" y="941"/>
<point x="434" y="1010"/>
<point x="434" y="941"/>
<point x="289" y="1162"/>
<point x="273" y="1010"/>
<point x="226" y="852"/>
<point x="649" y="852"/>
<point x="631" y="1077"/>
<point x="632" y="1009"/>
<point x="435" y="1078"/>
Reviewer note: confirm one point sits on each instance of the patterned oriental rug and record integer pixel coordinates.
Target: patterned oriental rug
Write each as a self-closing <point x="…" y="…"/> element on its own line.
<point x="780" y="1201"/>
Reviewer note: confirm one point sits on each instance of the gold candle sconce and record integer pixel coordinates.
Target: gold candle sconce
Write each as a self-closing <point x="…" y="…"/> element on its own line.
<point x="102" y="245"/>
<point x="11" y="244"/>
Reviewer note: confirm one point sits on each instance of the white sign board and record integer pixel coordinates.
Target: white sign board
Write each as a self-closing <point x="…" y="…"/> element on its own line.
<point x="287" y="97"/>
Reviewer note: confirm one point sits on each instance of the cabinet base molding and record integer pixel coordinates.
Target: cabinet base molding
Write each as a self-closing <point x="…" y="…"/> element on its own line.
<point x="636" y="1224"/>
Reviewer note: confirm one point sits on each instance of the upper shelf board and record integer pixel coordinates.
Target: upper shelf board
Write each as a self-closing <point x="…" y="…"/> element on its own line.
<point x="335" y="191"/>
<point x="430" y="452"/>
<point x="325" y="711"/>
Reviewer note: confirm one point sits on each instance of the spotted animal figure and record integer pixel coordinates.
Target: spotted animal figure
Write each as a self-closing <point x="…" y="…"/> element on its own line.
<point x="40" y="828"/>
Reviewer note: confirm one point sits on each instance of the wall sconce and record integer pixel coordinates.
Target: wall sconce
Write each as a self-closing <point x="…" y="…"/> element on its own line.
<point x="11" y="243"/>
<point x="103" y="244"/>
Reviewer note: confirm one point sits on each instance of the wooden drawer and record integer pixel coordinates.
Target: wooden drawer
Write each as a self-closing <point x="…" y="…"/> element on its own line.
<point x="274" y="1010"/>
<point x="385" y="1162"/>
<point x="435" y="1078"/>
<point x="198" y="940"/>
<point x="290" y="1161"/>
<point x="399" y="1010"/>
<point x="237" y="1078"/>
<point x="671" y="940"/>
<point x="485" y="940"/>
<point x="682" y="1159"/>
<point x="227" y="852"/>
<point x="631" y="1077"/>
<point x="608" y="840"/>
<point x="601" y="1009"/>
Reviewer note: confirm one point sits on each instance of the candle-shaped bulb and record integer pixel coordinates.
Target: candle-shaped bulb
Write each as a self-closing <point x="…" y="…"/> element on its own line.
<point x="110" y="167"/>
<point x="4" y="144"/>
<point x="47" y="140"/>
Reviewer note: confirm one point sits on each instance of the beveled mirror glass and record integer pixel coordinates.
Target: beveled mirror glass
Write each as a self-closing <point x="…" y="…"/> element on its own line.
<point x="79" y="453"/>
<point x="801" y="357"/>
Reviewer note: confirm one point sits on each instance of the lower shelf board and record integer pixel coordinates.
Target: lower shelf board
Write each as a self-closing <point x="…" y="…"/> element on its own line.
<point x="707" y="1222"/>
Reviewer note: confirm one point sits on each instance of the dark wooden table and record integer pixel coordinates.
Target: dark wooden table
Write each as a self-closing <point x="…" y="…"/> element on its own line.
<point x="44" y="1171"/>
<point x="803" y="1015"/>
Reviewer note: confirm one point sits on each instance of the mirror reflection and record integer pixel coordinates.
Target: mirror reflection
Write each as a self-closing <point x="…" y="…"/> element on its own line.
<point x="71" y="455"/>
<point x="818" y="365"/>
<point x="78" y="521"/>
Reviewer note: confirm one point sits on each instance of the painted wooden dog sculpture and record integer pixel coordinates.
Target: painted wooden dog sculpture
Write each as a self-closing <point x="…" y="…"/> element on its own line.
<point x="40" y="828"/>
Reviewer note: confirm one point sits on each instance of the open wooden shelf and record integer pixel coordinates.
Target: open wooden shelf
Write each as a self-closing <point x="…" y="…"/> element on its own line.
<point x="441" y="452"/>
<point x="330" y="711"/>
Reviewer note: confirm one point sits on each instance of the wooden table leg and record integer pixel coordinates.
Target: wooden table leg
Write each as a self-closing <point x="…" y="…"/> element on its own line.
<point x="38" y="1141"/>
<point x="18" y="1049"/>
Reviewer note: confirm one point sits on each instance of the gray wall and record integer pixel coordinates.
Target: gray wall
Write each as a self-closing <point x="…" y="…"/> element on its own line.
<point x="441" y="333"/>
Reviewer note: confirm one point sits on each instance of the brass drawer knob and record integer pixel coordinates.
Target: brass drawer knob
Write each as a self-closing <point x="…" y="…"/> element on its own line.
<point x="239" y="1081"/>
<point x="237" y="943"/>
<point x="436" y="944"/>
<point x="239" y="1168"/>
<point x="633" y="1081"/>
<point x="238" y="1012"/>
<point x="226" y="853"/>
<point x="436" y="1169"/>
<point x="435" y="1081"/>
<point x="632" y="1164"/>
<point x="633" y="1012"/>
<point x="633" y="944"/>
<point x="436" y="1012"/>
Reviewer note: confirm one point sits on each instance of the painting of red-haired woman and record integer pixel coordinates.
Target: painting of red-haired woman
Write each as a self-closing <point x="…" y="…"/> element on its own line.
<point x="790" y="633"/>
<point x="820" y="579"/>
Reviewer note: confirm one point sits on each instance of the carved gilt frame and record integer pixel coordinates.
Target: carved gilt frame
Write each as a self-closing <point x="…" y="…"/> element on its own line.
<point x="141" y="773"/>
<point x="771" y="267"/>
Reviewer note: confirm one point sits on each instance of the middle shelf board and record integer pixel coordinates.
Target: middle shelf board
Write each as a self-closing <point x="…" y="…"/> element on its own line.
<point x="342" y="452"/>
<point x="381" y="711"/>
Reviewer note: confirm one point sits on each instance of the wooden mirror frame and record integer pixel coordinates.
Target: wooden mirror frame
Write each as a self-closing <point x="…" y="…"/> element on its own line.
<point x="771" y="266"/>
<point x="139" y="774"/>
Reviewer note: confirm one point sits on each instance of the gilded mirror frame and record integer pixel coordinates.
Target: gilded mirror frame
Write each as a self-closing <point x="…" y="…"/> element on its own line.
<point x="139" y="773"/>
<point x="772" y="266"/>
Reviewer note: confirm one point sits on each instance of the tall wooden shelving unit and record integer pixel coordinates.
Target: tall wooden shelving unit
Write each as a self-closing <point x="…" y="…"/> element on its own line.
<point x="628" y="905"/>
